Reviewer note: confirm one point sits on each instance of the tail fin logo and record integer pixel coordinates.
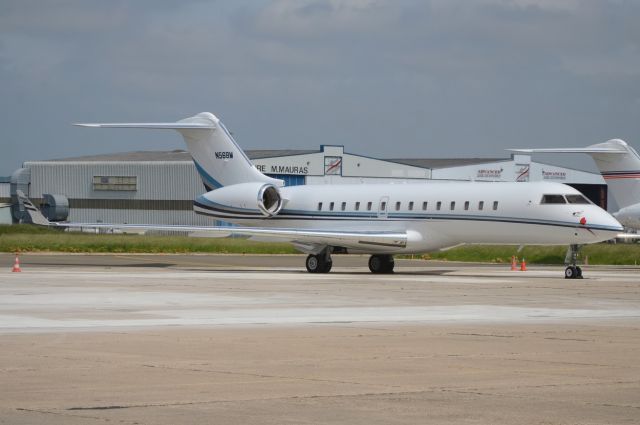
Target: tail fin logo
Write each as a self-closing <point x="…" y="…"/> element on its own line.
<point x="224" y="155"/>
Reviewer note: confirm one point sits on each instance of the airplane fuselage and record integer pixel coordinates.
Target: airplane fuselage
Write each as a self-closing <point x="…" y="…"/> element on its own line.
<point x="434" y="215"/>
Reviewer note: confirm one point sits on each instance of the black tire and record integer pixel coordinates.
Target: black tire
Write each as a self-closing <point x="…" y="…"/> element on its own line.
<point x="375" y="264"/>
<point x="318" y="264"/>
<point x="389" y="265"/>
<point x="578" y="273"/>
<point x="570" y="272"/>
<point x="327" y="266"/>
<point x="313" y="264"/>
<point x="381" y="264"/>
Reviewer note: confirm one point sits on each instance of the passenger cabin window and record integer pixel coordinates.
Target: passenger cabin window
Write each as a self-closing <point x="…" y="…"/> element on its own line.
<point x="331" y="206"/>
<point x="424" y="206"/>
<point x="438" y="205"/>
<point x="383" y="206"/>
<point x="553" y="199"/>
<point x="480" y="205"/>
<point x="577" y="199"/>
<point x="343" y="206"/>
<point x="357" y="206"/>
<point x="411" y="206"/>
<point x="319" y="206"/>
<point x="369" y="206"/>
<point x="495" y="205"/>
<point x="452" y="206"/>
<point x="397" y="206"/>
<point x="466" y="205"/>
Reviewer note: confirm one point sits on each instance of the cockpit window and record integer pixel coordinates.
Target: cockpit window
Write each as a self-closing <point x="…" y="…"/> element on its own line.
<point x="553" y="199"/>
<point x="577" y="199"/>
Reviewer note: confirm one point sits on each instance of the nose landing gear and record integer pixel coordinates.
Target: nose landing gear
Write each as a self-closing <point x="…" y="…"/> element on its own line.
<point x="572" y="271"/>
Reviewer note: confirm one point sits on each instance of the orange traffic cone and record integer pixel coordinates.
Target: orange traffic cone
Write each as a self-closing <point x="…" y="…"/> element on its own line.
<point x="16" y="265"/>
<point x="514" y="263"/>
<point x="523" y="265"/>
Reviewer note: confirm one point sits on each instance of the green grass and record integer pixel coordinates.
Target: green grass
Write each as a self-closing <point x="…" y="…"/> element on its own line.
<point x="37" y="239"/>
<point x="602" y="253"/>
<point x="26" y="238"/>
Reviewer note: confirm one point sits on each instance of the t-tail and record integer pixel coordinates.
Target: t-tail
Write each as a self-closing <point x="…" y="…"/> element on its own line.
<point x="618" y="163"/>
<point x="217" y="157"/>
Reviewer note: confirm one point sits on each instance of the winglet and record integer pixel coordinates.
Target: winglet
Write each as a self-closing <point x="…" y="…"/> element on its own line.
<point x="32" y="211"/>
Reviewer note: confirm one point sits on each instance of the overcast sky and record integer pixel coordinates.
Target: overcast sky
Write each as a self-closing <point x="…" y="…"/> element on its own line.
<point x="408" y="78"/>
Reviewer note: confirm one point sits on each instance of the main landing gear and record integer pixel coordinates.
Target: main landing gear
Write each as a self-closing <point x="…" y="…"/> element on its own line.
<point x="321" y="263"/>
<point x="572" y="271"/>
<point x="380" y="264"/>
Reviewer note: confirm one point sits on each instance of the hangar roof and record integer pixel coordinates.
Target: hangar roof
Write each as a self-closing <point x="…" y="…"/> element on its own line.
<point x="444" y="162"/>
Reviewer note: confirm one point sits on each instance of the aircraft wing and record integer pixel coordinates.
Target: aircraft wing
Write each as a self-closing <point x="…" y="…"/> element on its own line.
<point x="347" y="239"/>
<point x="306" y="238"/>
<point x="628" y="236"/>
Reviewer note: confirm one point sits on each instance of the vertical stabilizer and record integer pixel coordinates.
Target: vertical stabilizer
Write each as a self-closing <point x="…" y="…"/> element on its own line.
<point x="621" y="171"/>
<point x="218" y="158"/>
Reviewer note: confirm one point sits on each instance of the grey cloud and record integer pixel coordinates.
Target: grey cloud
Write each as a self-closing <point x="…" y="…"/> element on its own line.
<point x="402" y="78"/>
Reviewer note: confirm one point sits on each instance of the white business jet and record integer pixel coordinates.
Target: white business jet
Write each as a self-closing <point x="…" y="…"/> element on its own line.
<point x="377" y="219"/>
<point x="619" y="165"/>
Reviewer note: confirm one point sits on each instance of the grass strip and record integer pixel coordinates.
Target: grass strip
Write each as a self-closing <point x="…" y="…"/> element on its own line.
<point x="38" y="239"/>
<point x="26" y="238"/>
<point x="601" y="253"/>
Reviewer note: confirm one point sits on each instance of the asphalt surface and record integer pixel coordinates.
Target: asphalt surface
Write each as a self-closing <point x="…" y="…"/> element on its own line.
<point x="166" y="339"/>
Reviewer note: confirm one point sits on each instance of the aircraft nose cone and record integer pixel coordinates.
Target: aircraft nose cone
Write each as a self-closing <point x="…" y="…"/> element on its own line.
<point x="610" y="221"/>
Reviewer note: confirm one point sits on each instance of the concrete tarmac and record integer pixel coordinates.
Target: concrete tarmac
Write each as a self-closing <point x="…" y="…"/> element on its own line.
<point x="231" y="339"/>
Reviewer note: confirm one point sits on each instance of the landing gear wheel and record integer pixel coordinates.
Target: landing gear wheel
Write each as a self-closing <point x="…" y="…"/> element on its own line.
<point x="571" y="272"/>
<point x="327" y="266"/>
<point x="312" y="263"/>
<point x="381" y="264"/>
<point x="318" y="264"/>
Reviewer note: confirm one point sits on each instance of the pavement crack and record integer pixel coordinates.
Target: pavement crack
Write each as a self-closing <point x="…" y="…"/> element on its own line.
<point x="68" y="415"/>
<point x="255" y="375"/>
<point x="477" y="334"/>
<point x="99" y="408"/>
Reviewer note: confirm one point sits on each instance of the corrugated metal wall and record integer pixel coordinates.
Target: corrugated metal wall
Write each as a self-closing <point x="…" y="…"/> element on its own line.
<point x="156" y="181"/>
<point x="5" y="191"/>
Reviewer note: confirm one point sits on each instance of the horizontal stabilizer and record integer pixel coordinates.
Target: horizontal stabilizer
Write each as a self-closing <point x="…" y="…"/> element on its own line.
<point x="572" y="150"/>
<point x="150" y="125"/>
<point x="613" y="146"/>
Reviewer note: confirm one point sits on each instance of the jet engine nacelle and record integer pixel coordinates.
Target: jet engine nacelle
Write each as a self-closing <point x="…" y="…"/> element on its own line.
<point x="263" y="197"/>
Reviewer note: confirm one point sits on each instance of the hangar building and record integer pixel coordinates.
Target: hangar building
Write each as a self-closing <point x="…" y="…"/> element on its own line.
<point x="158" y="187"/>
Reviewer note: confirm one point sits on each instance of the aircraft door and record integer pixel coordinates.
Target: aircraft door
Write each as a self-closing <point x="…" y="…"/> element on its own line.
<point x="383" y="207"/>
